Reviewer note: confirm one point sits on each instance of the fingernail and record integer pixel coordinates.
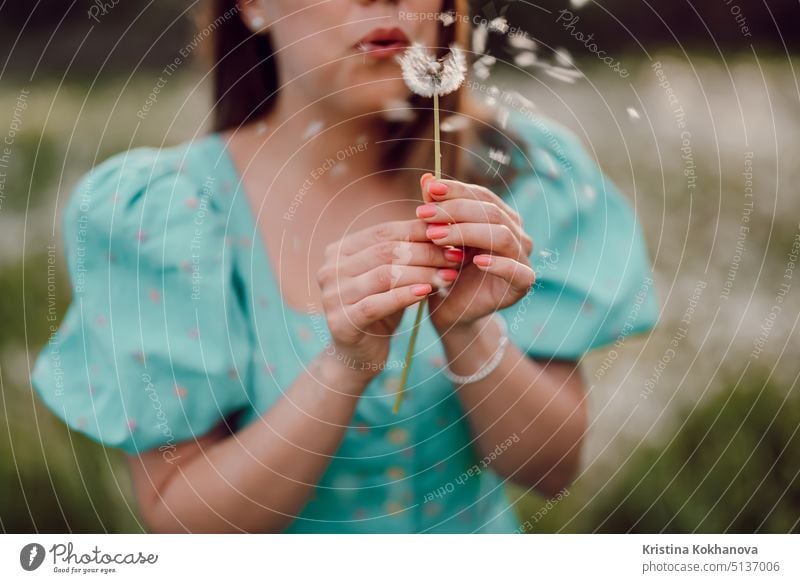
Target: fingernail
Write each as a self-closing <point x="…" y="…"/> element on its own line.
<point x="483" y="260"/>
<point x="437" y="231"/>
<point x="437" y="188"/>
<point x="454" y="254"/>
<point x="426" y="211"/>
<point x="448" y="274"/>
<point x="422" y="289"/>
<point x="425" y="177"/>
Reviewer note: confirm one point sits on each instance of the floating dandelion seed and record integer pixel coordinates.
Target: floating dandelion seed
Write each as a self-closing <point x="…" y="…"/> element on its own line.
<point x="398" y="110"/>
<point x="499" y="156"/>
<point x="563" y="57"/>
<point x="479" y="37"/>
<point x="491" y="95"/>
<point x="578" y="3"/>
<point x="487" y="60"/>
<point x="522" y="42"/>
<point x="499" y="25"/>
<point x="482" y="67"/>
<point x="447" y="18"/>
<point x="502" y="117"/>
<point x="428" y="77"/>
<point x="633" y="114"/>
<point x="313" y="129"/>
<point x="562" y="74"/>
<point x="454" y="123"/>
<point x="481" y="71"/>
<point x="525" y="59"/>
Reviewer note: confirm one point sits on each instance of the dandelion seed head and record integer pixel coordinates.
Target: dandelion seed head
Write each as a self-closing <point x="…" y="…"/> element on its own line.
<point x="425" y="75"/>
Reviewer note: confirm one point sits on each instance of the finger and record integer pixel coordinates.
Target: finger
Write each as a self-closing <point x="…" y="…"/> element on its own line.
<point x="413" y="230"/>
<point x="519" y="276"/>
<point x="422" y="182"/>
<point x="442" y="189"/>
<point x="386" y="277"/>
<point x="396" y="253"/>
<point x="376" y="307"/>
<point x="496" y="239"/>
<point x="464" y="210"/>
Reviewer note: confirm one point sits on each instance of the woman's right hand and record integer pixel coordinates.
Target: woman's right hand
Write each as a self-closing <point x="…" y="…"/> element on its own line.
<point x="367" y="280"/>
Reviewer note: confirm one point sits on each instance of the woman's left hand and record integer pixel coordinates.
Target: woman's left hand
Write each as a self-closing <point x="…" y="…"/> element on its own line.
<point x="487" y="233"/>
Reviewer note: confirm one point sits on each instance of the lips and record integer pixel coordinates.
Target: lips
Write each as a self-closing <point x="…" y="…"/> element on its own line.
<point x="383" y="42"/>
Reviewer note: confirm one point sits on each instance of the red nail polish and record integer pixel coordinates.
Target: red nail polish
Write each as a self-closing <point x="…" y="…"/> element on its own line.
<point x="482" y="260"/>
<point x="437" y="188"/>
<point x="454" y="254"/>
<point x="437" y="231"/>
<point x="426" y="211"/>
<point x="448" y="274"/>
<point x="422" y="289"/>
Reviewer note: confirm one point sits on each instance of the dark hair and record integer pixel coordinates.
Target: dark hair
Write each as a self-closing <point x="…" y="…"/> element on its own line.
<point x="245" y="81"/>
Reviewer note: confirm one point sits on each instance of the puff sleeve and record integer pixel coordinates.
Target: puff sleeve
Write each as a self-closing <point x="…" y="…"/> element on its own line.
<point x="154" y="347"/>
<point x="594" y="281"/>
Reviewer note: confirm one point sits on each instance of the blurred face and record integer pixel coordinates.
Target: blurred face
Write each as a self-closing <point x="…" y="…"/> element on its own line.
<point x="344" y="50"/>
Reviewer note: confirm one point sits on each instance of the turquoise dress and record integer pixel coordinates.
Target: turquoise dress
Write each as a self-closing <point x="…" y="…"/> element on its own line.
<point x="177" y="322"/>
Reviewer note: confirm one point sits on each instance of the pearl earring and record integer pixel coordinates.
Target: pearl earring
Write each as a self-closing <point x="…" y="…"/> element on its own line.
<point x="257" y="23"/>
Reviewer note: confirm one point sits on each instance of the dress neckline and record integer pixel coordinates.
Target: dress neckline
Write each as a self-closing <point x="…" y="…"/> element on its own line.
<point x="245" y="210"/>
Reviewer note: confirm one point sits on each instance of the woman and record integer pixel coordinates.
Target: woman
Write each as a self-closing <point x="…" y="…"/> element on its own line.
<point x="243" y="302"/>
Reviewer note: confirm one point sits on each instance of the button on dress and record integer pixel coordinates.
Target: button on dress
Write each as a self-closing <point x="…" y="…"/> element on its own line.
<point x="177" y="322"/>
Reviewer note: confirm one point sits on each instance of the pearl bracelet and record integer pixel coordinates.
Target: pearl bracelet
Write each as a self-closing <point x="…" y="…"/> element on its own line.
<point x="491" y="365"/>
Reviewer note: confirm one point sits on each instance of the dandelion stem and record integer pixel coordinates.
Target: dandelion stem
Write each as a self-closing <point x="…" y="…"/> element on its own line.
<point x="409" y="356"/>
<point x="436" y="140"/>
<point x="415" y="331"/>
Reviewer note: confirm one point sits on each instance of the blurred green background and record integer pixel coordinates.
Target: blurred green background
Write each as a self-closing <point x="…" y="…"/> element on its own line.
<point x="691" y="432"/>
